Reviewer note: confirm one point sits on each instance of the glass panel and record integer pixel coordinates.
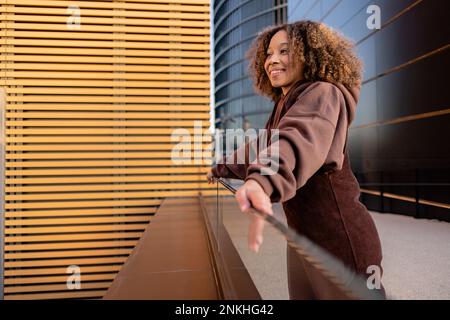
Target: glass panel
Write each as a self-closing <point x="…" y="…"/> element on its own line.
<point x="287" y="265"/>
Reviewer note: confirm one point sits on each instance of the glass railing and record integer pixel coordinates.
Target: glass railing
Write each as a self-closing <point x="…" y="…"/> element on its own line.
<point x="287" y="265"/>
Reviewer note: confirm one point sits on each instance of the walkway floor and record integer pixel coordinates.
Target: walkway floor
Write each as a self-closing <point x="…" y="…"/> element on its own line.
<point x="416" y="256"/>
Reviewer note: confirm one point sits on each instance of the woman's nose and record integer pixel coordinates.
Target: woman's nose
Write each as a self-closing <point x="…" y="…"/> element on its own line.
<point x="274" y="59"/>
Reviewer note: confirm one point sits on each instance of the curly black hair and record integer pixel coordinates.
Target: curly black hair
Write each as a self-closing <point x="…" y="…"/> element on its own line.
<point x="326" y="55"/>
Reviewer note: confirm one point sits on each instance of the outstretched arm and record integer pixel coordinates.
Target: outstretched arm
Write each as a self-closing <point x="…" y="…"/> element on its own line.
<point x="306" y="133"/>
<point x="305" y="136"/>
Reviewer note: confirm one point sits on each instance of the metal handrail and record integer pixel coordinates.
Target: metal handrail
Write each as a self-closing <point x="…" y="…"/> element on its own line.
<point x="349" y="282"/>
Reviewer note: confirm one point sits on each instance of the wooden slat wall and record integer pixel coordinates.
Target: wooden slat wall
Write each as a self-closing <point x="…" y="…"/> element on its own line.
<point x="89" y="116"/>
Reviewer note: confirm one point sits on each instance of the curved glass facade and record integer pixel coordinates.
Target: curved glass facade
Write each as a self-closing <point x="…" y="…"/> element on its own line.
<point x="236" y="24"/>
<point x="395" y="142"/>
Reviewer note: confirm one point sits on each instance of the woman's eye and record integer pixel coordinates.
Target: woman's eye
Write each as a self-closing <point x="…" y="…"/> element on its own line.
<point x="284" y="51"/>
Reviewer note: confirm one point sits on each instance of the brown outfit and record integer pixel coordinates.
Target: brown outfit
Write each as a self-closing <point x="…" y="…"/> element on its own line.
<point x="319" y="193"/>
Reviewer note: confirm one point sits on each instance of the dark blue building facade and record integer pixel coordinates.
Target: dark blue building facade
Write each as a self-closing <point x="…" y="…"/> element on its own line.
<point x="398" y="143"/>
<point x="236" y="24"/>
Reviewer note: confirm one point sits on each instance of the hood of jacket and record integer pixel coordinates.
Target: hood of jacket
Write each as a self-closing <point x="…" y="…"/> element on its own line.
<point x="351" y="96"/>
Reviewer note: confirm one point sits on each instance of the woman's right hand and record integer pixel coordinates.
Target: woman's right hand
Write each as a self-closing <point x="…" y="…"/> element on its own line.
<point x="251" y="194"/>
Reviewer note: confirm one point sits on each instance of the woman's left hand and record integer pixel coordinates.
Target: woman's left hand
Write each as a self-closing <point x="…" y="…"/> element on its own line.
<point x="210" y="177"/>
<point x="251" y="194"/>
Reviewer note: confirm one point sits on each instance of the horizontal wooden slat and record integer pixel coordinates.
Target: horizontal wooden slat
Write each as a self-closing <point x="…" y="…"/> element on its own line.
<point x="105" y="155"/>
<point x="60" y="279"/>
<point x="81" y="204"/>
<point x="67" y="253"/>
<point x="104" y="60"/>
<point x="144" y="5"/>
<point x="80" y="212"/>
<point x="164" y="12"/>
<point x="63" y="262"/>
<point x="109" y="83"/>
<point x="122" y="52"/>
<point x="50" y="118"/>
<point x="109" y="92"/>
<point x="134" y="152"/>
<point x="71" y="245"/>
<point x="101" y="179"/>
<point x="100" y="171"/>
<point x="56" y="221"/>
<point x="49" y="214"/>
<point x="189" y="153"/>
<point x="75" y="229"/>
<point x="107" y="131"/>
<point x="107" y="21"/>
<point x="152" y="5"/>
<point x="199" y="2"/>
<point x="101" y="163"/>
<point x="55" y="287"/>
<point x="104" y="29"/>
<point x="107" y="99"/>
<point x="196" y="140"/>
<point x="72" y="294"/>
<point x="116" y="108"/>
<point x="105" y="36"/>
<point x="107" y="44"/>
<point x="36" y="272"/>
<point x="113" y="91"/>
<point x="108" y="195"/>
<point x="107" y="187"/>
<point x="108" y="123"/>
<point x="105" y="75"/>
<point x="72" y="237"/>
<point x="99" y="139"/>
<point x="107" y="147"/>
<point x="31" y="211"/>
<point x="100" y="67"/>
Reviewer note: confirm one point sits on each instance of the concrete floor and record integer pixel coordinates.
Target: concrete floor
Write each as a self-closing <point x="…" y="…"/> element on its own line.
<point x="416" y="257"/>
<point x="416" y="254"/>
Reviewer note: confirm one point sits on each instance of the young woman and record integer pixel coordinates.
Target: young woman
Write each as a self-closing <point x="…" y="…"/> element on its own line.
<point x="313" y="76"/>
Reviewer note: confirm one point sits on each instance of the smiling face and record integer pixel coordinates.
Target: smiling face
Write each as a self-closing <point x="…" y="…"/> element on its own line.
<point x="283" y="71"/>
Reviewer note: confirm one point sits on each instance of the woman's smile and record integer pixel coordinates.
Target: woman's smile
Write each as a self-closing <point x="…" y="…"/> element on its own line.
<point x="275" y="73"/>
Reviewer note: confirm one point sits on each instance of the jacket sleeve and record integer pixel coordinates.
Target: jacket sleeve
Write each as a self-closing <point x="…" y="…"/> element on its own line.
<point x="305" y="134"/>
<point x="231" y="169"/>
<point x="235" y="165"/>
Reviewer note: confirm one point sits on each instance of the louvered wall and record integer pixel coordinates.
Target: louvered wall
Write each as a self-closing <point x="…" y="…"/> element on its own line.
<point x="89" y="117"/>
